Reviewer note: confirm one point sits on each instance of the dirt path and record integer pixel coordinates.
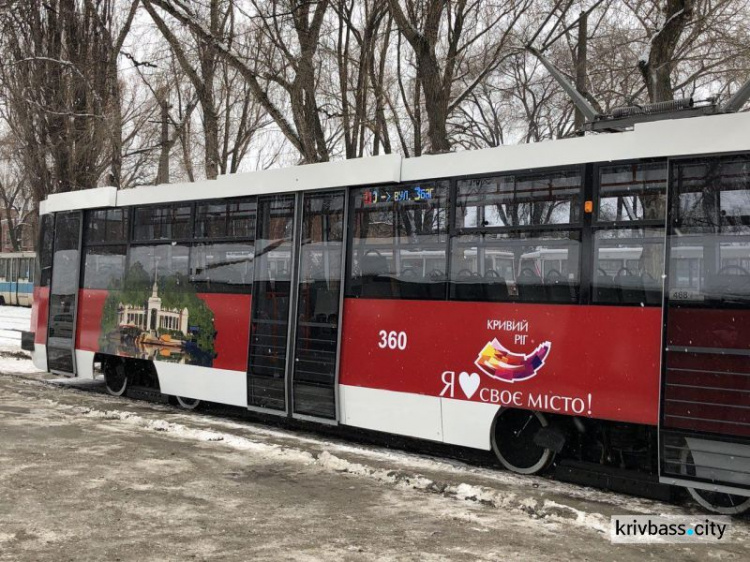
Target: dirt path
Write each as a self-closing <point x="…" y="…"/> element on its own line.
<point x="84" y="476"/>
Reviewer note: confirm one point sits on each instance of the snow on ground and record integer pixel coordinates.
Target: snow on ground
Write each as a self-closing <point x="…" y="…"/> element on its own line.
<point x="13" y="320"/>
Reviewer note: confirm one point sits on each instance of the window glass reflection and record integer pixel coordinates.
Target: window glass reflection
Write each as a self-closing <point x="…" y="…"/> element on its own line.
<point x="399" y="242"/>
<point x="104" y="267"/>
<point x="710" y="246"/>
<point x="222" y="268"/>
<point x="519" y="200"/>
<point x="630" y="192"/>
<point x="530" y="267"/>
<point x="628" y="266"/>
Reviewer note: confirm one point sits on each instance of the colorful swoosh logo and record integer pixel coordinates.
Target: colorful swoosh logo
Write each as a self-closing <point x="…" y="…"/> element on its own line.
<point x="499" y="363"/>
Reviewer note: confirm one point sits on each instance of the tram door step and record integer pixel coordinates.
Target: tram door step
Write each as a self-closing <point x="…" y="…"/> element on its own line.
<point x="613" y="479"/>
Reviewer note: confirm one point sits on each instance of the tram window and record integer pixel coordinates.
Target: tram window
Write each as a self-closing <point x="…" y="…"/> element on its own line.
<point x="106" y="225"/>
<point x="104" y="267"/>
<point x="164" y="259"/>
<point x="714" y="194"/>
<point x="222" y="268"/>
<point x="628" y="266"/>
<point x="45" y="250"/>
<point x="32" y="271"/>
<point x="23" y="269"/>
<point x="273" y="263"/>
<point x="399" y="242"/>
<point x="162" y="223"/>
<point x="234" y="219"/>
<point x="631" y="192"/>
<point x="320" y="256"/>
<point x="4" y="269"/>
<point x="67" y="256"/>
<point x="725" y="274"/>
<point x="516" y="266"/>
<point x="710" y="249"/>
<point x="519" y="200"/>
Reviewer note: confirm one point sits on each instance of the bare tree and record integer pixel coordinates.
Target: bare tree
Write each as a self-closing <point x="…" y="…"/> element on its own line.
<point x="286" y="34"/>
<point x="14" y="195"/>
<point x="687" y="44"/>
<point x="60" y="89"/>
<point x="657" y="67"/>
<point x="363" y="37"/>
<point x="453" y="41"/>
<point x="202" y="75"/>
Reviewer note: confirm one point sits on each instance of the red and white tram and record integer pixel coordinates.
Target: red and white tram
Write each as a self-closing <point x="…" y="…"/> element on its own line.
<point x="587" y="297"/>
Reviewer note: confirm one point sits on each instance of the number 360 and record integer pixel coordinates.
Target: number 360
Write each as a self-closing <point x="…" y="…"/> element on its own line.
<point x="392" y="340"/>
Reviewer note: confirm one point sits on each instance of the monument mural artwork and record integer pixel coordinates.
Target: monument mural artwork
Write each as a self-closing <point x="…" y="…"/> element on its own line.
<point x="161" y="319"/>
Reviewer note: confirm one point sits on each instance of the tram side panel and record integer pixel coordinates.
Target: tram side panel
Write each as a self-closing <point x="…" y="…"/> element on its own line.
<point x="441" y="370"/>
<point x="39" y="312"/>
<point x="199" y="350"/>
<point x="706" y="385"/>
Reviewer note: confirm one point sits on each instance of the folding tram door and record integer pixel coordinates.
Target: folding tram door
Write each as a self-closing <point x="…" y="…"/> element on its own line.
<point x="63" y="303"/>
<point x="704" y="418"/>
<point x="297" y="298"/>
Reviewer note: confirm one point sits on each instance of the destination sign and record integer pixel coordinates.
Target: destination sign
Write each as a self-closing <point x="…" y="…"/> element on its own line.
<point x="384" y="195"/>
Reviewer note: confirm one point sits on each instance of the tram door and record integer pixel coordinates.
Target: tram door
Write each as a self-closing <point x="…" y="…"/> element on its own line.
<point x="704" y="425"/>
<point x="294" y="339"/>
<point x="66" y="262"/>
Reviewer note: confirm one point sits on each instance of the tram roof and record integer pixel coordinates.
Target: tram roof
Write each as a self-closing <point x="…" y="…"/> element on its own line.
<point x="658" y="139"/>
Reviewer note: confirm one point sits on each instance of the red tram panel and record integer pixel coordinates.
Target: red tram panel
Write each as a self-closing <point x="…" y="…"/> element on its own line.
<point x="603" y="362"/>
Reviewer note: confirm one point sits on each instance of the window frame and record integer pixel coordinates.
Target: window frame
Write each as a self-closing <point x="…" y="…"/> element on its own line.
<point x="130" y="242"/>
<point x="441" y="293"/>
<point x="86" y="243"/>
<point x="580" y="227"/>
<point x="44" y="270"/>
<point x="220" y="239"/>
<point x="150" y="241"/>
<point x="596" y="199"/>
<point x="454" y="230"/>
<point x="196" y="241"/>
<point x="672" y="223"/>
<point x="645" y="225"/>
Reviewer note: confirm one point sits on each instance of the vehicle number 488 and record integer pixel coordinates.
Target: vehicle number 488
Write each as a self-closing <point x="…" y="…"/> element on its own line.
<point x="392" y="340"/>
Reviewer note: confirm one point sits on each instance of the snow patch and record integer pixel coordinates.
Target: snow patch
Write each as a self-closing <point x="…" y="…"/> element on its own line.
<point x="207" y="436"/>
<point x="400" y="478"/>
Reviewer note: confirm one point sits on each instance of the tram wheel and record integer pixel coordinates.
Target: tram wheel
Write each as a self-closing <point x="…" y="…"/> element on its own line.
<point x="720" y="502"/>
<point x="512" y="439"/>
<point x="187" y="403"/>
<point x="715" y="502"/>
<point x="115" y="377"/>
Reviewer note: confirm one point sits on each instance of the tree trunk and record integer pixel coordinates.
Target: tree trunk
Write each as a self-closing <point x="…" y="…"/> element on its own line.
<point x="657" y="70"/>
<point x="581" y="59"/>
<point x="162" y="175"/>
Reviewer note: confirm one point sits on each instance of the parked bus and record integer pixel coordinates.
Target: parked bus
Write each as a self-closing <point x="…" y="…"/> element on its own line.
<point x="17" y="278"/>
<point x="497" y="299"/>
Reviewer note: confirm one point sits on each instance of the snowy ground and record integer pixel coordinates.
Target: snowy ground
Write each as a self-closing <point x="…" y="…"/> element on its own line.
<point x="85" y="476"/>
<point x="13" y="320"/>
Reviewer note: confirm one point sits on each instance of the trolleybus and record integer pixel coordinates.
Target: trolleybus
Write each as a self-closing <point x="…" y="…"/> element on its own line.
<point x="586" y="298"/>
